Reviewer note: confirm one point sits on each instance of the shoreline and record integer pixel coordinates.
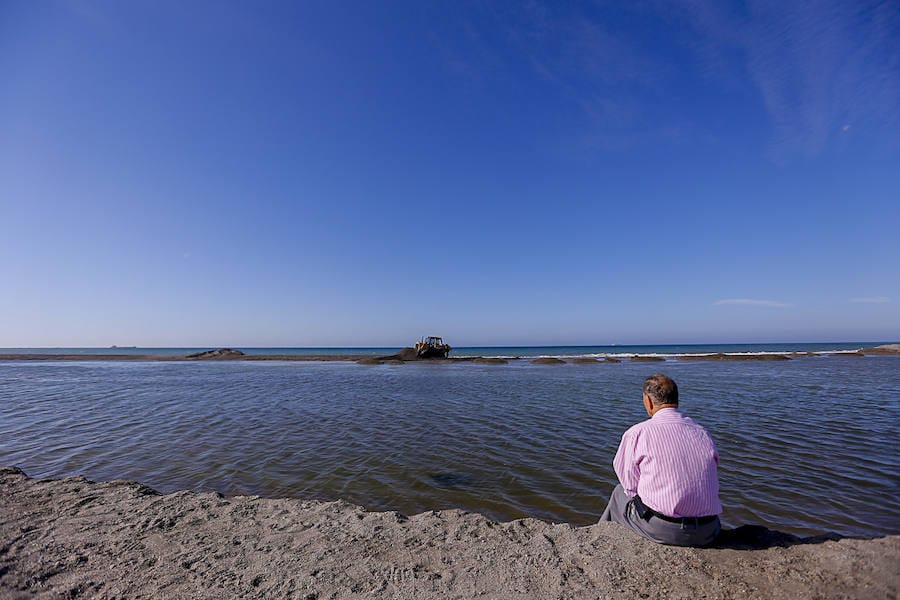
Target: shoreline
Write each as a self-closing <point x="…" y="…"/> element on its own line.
<point x="404" y="357"/>
<point x="71" y="537"/>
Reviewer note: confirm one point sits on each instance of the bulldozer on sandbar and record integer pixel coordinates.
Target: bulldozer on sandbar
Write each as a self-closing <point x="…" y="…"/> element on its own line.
<point x="432" y="347"/>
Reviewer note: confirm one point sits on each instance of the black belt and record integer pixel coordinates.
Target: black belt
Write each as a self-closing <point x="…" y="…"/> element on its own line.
<point x="645" y="512"/>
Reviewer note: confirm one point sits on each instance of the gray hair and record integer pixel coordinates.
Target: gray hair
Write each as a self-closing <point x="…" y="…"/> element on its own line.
<point x="661" y="389"/>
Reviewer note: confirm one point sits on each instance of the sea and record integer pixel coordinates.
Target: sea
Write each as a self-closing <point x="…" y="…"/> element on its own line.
<point x="807" y="445"/>
<point x="614" y="350"/>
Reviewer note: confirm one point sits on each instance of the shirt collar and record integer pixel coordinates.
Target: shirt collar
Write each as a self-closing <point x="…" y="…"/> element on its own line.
<point x="665" y="412"/>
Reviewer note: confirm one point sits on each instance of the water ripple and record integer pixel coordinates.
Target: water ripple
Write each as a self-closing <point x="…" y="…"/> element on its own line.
<point x="804" y="445"/>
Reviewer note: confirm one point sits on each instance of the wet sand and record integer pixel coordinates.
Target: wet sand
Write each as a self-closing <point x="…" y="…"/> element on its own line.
<point x="74" y="538"/>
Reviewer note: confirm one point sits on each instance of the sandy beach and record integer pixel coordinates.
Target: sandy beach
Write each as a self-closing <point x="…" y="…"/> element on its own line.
<point x="75" y="538"/>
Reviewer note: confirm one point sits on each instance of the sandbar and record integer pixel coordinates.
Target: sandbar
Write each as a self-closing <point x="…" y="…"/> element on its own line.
<point x="76" y="538"/>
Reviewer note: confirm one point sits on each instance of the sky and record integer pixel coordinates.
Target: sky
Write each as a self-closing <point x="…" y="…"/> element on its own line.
<point x="259" y="174"/>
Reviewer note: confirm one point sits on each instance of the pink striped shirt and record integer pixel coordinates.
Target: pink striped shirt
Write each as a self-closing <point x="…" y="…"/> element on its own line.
<point x="670" y="461"/>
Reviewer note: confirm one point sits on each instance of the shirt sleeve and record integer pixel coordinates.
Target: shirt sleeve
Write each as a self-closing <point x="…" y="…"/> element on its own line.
<point x="627" y="463"/>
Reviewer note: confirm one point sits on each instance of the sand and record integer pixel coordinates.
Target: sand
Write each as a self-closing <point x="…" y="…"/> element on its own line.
<point x="884" y="349"/>
<point x="734" y="357"/>
<point x="214" y="355"/>
<point x="74" y="538"/>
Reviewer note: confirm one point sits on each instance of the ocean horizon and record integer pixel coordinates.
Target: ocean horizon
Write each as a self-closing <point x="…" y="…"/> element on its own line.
<point x="502" y="351"/>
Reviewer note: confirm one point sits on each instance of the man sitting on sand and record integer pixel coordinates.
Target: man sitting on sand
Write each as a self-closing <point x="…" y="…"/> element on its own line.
<point x="669" y="489"/>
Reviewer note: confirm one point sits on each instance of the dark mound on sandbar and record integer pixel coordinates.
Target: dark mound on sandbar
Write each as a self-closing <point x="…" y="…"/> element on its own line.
<point x="548" y="361"/>
<point x="727" y="357"/>
<point x="611" y="359"/>
<point x="647" y="359"/>
<point x="370" y="360"/>
<point x="585" y="361"/>
<point x="847" y="354"/>
<point x="220" y="354"/>
<point x="405" y="354"/>
<point x="490" y="361"/>
<point x="884" y="349"/>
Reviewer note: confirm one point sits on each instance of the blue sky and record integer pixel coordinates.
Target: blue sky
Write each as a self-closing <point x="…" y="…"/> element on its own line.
<point x="363" y="173"/>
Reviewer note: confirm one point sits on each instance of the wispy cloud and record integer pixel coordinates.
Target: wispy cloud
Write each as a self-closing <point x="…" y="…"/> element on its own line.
<point x="751" y="302"/>
<point x="823" y="70"/>
<point x="598" y="71"/>
<point x="871" y="300"/>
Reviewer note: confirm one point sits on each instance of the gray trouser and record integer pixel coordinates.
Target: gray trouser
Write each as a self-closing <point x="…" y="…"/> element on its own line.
<point x="621" y="510"/>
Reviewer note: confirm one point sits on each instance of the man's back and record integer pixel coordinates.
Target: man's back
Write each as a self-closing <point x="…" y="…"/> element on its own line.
<point x="670" y="462"/>
<point x="668" y="487"/>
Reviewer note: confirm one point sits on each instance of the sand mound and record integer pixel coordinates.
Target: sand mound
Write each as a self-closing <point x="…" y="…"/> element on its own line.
<point x="490" y="361"/>
<point x="585" y="361"/>
<point x="370" y="360"/>
<point x="884" y="349"/>
<point x="406" y="354"/>
<point x="222" y="353"/>
<point x="73" y="538"/>
<point x="725" y="357"/>
<point x="647" y="359"/>
<point x="548" y="361"/>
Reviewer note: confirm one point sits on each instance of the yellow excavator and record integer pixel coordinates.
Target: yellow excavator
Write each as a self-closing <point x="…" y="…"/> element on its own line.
<point x="432" y="346"/>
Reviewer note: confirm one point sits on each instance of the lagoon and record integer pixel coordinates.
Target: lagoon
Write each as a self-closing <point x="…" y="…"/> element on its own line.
<point x="805" y="444"/>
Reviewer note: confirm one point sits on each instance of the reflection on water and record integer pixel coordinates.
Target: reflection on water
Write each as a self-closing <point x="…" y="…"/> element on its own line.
<point x="806" y="445"/>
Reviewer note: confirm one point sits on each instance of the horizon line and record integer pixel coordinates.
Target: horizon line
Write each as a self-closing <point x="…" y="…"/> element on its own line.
<point x="194" y="347"/>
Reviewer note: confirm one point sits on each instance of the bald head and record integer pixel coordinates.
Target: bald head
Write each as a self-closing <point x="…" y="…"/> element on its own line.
<point x="661" y="390"/>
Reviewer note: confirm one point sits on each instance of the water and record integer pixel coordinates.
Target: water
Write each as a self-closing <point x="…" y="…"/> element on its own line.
<point x="665" y="350"/>
<point x="807" y="445"/>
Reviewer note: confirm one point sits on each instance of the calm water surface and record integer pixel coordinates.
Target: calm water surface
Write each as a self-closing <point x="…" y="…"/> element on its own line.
<point x="807" y="445"/>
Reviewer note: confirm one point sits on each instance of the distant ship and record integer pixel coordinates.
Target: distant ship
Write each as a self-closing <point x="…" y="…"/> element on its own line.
<point x="123" y="347"/>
